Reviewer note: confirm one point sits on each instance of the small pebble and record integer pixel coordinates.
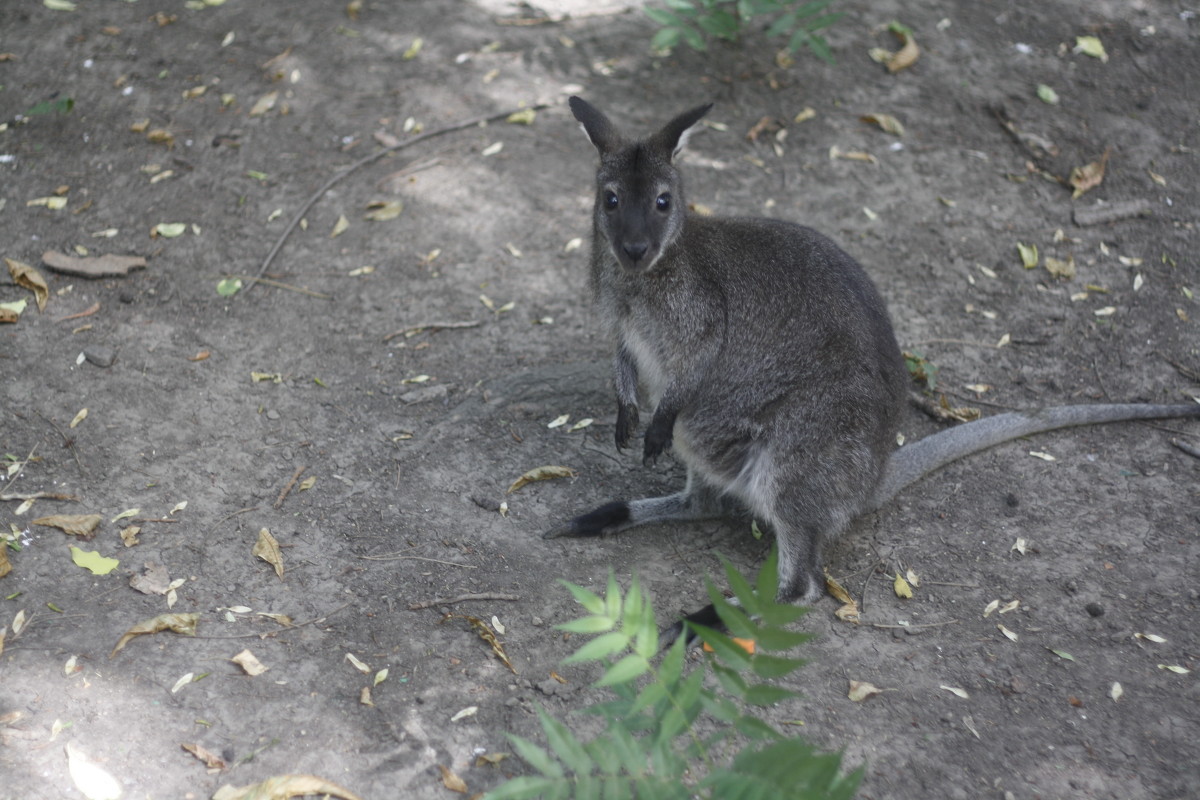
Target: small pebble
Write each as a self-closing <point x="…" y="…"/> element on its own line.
<point x="100" y="355"/>
<point x="272" y="414"/>
<point x="1095" y="609"/>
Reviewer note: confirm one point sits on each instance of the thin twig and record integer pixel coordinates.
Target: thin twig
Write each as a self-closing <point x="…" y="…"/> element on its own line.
<point x="67" y="440"/>
<point x="462" y="598"/>
<point x="362" y="162"/>
<point x="948" y="583"/>
<point x="397" y="557"/>
<point x="471" y="323"/>
<point x="38" y="496"/>
<point x="280" y="285"/>
<point x="288" y="488"/>
<point x="21" y="469"/>
<point x="1192" y="451"/>
<point x="266" y="634"/>
<point x="925" y="625"/>
<point x="153" y="519"/>
<point x="228" y="517"/>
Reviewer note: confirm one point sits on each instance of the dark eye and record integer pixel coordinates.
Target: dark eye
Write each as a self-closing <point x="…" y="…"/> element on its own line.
<point x="610" y="200"/>
<point x="663" y="202"/>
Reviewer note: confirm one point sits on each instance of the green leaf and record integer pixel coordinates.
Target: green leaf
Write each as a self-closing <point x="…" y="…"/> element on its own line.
<point x="535" y="756"/>
<point x="764" y="694"/>
<point x="227" y="287"/>
<point x="730" y="680"/>
<point x="524" y="787"/>
<point x="782" y="25"/>
<point x="766" y="583"/>
<point x="590" y="601"/>
<point x="665" y="39"/>
<point x="653" y="694"/>
<point x="820" y="48"/>
<point x="595" y="624"/>
<point x="627" y="669"/>
<point x="741" y="587"/>
<point x="599" y="648"/>
<point x="766" y="666"/>
<point x="92" y="560"/>
<point x="612" y="598"/>
<point x="61" y="106"/>
<point x="694" y="39"/>
<point x="565" y="745"/>
<point x="777" y="639"/>
<point x="720" y="23"/>
<point x="734" y="618"/>
<point x="727" y="651"/>
<point x="682" y="6"/>
<point x="664" y="17"/>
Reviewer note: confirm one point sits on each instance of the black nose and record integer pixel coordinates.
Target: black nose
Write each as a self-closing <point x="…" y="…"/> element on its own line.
<point x="635" y="250"/>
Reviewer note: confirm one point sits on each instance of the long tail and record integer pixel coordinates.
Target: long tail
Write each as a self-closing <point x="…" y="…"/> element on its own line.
<point x="914" y="461"/>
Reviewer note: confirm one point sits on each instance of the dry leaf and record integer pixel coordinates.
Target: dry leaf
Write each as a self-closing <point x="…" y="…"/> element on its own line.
<point x="283" y="787"/>
<point x="129" y="536"/>
<point x="18" y="623"/>
<point x="308" y="483"/>
<point x="25" y="275"/>
<point x="1061" y="268"/>
<point x="908" y="53"/>
<point x="267" y="549"/>
<point x="1150" y="637"/>
<point x="364" y="697"/>
<point x="852" y="155"/>
<point x="452" y="781"/>
<point x="849" y="611"/>
<point x="153" y="580"/>
<point x="990" y="607"/>
<point x="861" y="690"/>
<point x="210" y="759"/>
<point x="886" y="122"/>
<point x="1029" y="255"/>
<point x="541" y="474"/>
<point x="382" y="210"/>
<point x="92" y="266"/>
<point x="1019" y="545"/>
<point x="179" y="623"/>
<point x="92" y="780"/>
<point x="901" y="587"/>
<point x="1089" y="177"/>
<point x="5" y="566"/>
<point x="81" y="525"/>
<point x="956" y="692"/>
<point x="469" y="711"/>
<point x="1116" y="691"/>
<point x="1012" y="637"/>
<point x="79" y="417"/>
<point x="183" y="681"/>
<point x="1090" y="46"/>
<point x="264" y="104"/>
<point x="249" y="663"/>
<point x="487" y="635"/>
<point x="358" y="664"/>
<point x="340" y="226"/>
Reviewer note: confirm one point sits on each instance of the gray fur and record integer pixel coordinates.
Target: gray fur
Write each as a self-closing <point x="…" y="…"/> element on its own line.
<point x="768" y="358"/>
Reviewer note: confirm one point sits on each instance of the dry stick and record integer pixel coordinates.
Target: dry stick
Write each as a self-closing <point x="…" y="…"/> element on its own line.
<point x="924" y="625"/>
<point x="38" y="496"/>
<point x="395" y="557"/>
<point x="67" y="440"/>
<point x="288" y="286"/>
<point x="287" y="489"/>
<point x="153" y="519"/>
<point x="471" y="323"/>
<point x="273" y="632"/>
<point x="445" y="601"/>
<point x="362" y="162"/>
<point x="1194" y="452"/>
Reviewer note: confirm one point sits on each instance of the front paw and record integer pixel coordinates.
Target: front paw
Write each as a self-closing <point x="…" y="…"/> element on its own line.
<point x="658" y="439"/>
<point x="627" y="422"/>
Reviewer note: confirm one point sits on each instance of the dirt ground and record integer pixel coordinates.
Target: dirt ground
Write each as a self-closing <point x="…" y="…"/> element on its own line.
<point x="410" y="471"/>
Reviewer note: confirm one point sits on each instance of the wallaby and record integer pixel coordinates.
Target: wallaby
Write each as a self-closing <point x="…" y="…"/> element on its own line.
<point x="769" y="360"/>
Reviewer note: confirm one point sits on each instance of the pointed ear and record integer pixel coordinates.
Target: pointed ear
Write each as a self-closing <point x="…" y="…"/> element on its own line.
<point x="674" y="135"/>
<point x="597" y="126"/>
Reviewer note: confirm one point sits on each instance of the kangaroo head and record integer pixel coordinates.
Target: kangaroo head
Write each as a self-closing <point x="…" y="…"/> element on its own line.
<point x="640" y="207"/>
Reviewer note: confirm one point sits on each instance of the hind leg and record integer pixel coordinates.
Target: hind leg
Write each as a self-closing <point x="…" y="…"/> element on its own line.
<point x="697" y="501"/>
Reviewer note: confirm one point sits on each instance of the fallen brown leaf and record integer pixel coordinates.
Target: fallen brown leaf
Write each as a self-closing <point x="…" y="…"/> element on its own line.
<point x="485" y="633"/>
<point x="452" y="781"/>
<point x="105" y="266"/>
<point x="179" y="623"/>
<point x="282" y="787"/>
<point x="5" y="565"/>
<point x="28" y="277"/>
<point x="81" y="525"/>
<point x="541" y="474"/>
<point x="210" y="759"/>
<point x="906" y="56"/>
<point x="267" y="549"/>
<point x="1090" y="176"/>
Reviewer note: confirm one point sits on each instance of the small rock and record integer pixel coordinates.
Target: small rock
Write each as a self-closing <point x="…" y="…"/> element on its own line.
<point x="272" y="414"/>
<point x="425" y="394"/>
<point x="1017" y="684"/>
<point x="100" y="355"/>
<point x="126" y="296"/>
<point x="1095" y="609"/>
